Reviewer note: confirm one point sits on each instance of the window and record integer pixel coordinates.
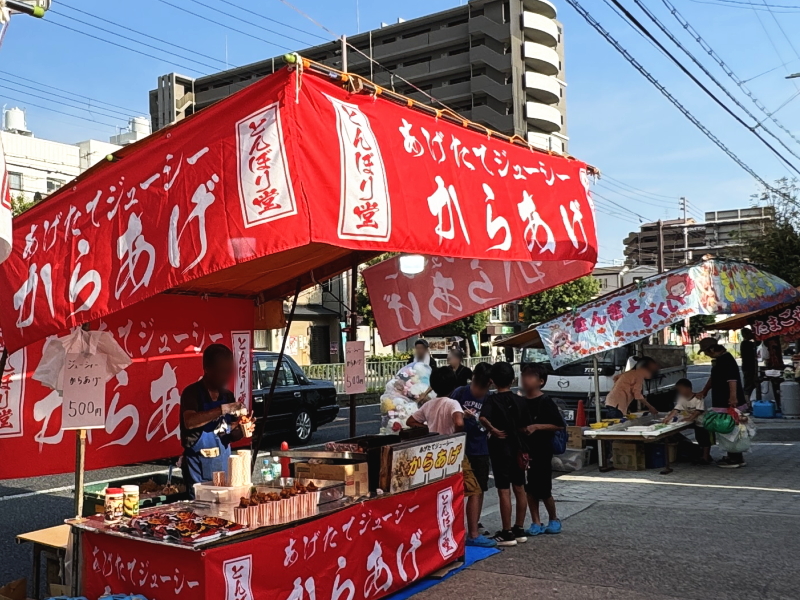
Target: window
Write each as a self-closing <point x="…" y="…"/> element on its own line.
<point x="266" y="368"/>
<point x="53" y="184"/>
<point x="15" y="180"/>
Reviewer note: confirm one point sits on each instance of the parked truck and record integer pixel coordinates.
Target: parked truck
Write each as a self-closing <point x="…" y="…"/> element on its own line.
<point x="573" y="382"/>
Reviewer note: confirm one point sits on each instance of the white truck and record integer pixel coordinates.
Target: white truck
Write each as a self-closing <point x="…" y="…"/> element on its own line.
<point x="575" y="381"/>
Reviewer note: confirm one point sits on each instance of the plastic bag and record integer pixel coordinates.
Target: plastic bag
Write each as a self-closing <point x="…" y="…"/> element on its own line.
<point x="737" y="440"/>
<point x="400" y="398"/>
<point x="718" y="422"/>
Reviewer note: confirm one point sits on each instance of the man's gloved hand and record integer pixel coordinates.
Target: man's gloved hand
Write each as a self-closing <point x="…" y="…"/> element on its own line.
<point x="235" y="409"/>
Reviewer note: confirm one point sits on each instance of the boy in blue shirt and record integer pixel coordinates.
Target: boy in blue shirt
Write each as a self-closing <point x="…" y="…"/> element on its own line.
<point x="476" y="464"/>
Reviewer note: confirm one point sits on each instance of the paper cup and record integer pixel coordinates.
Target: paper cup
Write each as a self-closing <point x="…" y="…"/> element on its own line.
<point x="240" y="515"/>
<point x="218" y="478"/>
<point x="263" y="514"/>
<point x="252" y="516"/>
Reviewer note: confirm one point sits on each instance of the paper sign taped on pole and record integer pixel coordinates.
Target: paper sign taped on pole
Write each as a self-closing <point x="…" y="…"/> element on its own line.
<point x="355" y="375"/>
<point x="84" y="391"/>
<point x="51" y="370"/>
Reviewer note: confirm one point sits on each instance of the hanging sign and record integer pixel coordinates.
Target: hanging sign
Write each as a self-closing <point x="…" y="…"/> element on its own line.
<point x="84" y="391"/>
<point x="355" y="374"/>
<point x="711" y="287"/>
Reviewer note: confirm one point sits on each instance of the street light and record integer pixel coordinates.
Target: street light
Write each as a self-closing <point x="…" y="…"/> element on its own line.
<point x="412" y="264"/>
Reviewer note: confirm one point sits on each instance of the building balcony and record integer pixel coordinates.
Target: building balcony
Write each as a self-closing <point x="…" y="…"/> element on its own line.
<point x="539" y="29"/>
<point x="544" y="117"/>
<point x="542" y="88"/>
<point x="541" y="58"/>
<point x="544" y="141"/>
<point x="541" y="7"/>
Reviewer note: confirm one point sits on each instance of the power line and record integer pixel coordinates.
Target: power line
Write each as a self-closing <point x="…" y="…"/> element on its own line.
<point x="747" y="5"/>
<point x="639" y="190"/>
<point x="728" y="71"/>
<point x="146" y="45"/>
<point x="599" y="28"/>
<point x="783" y="31"/>
<point x="626" y="194"/>
<point x="702" y="86"/>
<point x="99" y="111"/>
<point x="169" y="62"/>
<point x="52" y="87"/>
<point x="271" y="20"/>
<point x="708" y="73"/>
<point x="26" y="103"/>
<point x="595" y="194"/>
<point x="147" y="35"/>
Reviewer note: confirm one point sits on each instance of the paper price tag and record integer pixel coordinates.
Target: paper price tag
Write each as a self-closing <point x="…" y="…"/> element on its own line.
<point x="84" y="392"/>
<point x="355" y="374"/>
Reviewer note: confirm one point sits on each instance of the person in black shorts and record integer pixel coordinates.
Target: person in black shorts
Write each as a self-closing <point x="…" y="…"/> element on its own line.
<point x="545" y="420"/>
<point x="504" y="415"/>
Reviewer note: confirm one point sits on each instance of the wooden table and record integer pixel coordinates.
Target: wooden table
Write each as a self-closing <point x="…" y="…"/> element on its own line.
<point x="610" y="434"/>
<point x="52" y="542"/>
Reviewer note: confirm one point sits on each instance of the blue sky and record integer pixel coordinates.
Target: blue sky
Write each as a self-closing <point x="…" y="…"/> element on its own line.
<point x="617" y="120"/>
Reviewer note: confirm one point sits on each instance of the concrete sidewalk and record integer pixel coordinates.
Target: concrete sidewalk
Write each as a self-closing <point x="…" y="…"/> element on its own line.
<point x="701" y="533"/>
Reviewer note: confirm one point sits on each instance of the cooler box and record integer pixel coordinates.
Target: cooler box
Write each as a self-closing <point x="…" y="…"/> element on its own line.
<point x="764" y="409"/>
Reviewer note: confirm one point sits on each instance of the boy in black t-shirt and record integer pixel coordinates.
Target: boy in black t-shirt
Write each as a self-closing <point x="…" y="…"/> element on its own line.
<point x="545" y="420"/>
<point x="504" y="415"/>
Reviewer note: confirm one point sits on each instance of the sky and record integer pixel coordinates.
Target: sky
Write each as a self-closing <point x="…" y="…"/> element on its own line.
<point x="649" y="153"/>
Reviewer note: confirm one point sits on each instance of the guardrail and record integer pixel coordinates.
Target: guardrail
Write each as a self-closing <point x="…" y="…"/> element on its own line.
<point x="378" y="372"/>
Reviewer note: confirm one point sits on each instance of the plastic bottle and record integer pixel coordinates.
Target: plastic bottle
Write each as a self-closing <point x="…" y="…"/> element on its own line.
<point x="267" y="473"/>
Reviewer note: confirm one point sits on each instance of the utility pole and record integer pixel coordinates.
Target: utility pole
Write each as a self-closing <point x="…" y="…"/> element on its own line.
<point x="664" y="333"/>
<point x="685" y="232"/>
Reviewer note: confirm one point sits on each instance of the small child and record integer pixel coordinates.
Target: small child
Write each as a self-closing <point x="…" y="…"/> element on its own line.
<point x="690" y="406"/>
<point x="504" y="414"/>
<point x="442" y="415"/>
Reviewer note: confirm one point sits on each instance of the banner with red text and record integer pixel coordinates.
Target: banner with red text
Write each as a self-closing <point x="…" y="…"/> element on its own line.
<point x="165" y="337"/>
<point x="784" y="321"/>
<point x="711" y="287"/>
<point x="278" y="166"/>
<point x="451" y="288"/>
<point x="366" y="551"/>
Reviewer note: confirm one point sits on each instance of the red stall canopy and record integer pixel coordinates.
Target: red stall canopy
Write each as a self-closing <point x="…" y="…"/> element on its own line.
<point x="293" y="176"/>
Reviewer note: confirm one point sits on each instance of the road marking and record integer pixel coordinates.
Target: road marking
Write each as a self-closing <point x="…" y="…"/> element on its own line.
<point x="586" y="479"/>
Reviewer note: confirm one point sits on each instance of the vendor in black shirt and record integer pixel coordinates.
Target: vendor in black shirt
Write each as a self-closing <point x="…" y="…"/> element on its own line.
<point x="725" y="385"/>
<point x="463" y="373"/>
<point x="209" y="418"/>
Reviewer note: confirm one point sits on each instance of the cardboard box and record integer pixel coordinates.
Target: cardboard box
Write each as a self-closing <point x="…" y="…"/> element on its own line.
<point x="575" y="437"/>
<point x="628" y="456"/>
<point x="355" y="476"/>
<point x="16" y="590"/>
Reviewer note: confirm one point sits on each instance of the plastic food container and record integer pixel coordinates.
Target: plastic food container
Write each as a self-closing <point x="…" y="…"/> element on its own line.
<point x="217" y="494"/>
<point x="573" y="459"/>
<point x="130" y="500"/>
<point x="113" y="506"/>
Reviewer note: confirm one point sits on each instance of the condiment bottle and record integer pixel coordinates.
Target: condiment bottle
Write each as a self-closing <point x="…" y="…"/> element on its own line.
<point x="113" y="506"/>
<point x="130" y="500"/>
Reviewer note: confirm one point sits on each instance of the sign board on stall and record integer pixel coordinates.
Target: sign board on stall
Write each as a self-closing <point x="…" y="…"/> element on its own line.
<point x="355" y="374"/>
<point x="84" y="394"/>
<point x="422" y="461"/>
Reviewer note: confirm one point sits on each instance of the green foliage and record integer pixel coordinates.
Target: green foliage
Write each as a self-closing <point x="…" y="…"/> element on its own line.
<point x="777" y="250"/>
<point x="469" y="325"/>
<point x="551" y="303"/>
<point x="19" y="205"/>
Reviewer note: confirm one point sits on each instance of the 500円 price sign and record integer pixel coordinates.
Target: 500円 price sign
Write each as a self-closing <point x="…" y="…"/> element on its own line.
<point x="84" y="392"/>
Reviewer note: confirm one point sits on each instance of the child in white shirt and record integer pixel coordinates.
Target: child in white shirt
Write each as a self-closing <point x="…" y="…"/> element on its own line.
<point x="689" y="406"/>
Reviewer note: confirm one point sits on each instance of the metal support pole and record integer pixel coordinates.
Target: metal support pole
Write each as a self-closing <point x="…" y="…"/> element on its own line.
<point x="601" y="458"/>
<point x="343" y="40"/>
<point x="261" y="425"/>
<point x="352" y="335"/>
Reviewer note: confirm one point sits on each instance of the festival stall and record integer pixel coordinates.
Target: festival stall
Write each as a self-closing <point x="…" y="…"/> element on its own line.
<point x="643" y="309"/>
<point x="298" y="177"/>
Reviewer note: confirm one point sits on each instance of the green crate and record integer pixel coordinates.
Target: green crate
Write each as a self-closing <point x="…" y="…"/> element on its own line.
<point x="94" y="494"/>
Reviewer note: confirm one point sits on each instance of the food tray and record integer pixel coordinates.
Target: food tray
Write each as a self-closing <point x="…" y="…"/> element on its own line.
<point x="329" y="491"/>
<point x="94" y="493"/>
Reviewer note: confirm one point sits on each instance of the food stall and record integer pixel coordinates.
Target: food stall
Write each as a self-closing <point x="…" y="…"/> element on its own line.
<point x="295" y="179"/>
<point x="645" y="308"/>
<point x="324" y="538"/>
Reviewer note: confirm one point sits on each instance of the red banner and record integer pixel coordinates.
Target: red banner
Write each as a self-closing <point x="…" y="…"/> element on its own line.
<point x="784" y="322"/>
<point x="450" y="288"/>
<point x="277" y="166"/>
<point x="165" y="337"/>
<point x="368" y="551"/>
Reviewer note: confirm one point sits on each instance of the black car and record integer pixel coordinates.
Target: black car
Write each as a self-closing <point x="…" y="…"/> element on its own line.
<point x="299" y="404"/>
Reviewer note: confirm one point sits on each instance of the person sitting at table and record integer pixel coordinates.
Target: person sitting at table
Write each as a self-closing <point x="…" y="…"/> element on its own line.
<point x="628" y="387"/>
<point x="210" y="418"/>
<point x="690" y="406"/>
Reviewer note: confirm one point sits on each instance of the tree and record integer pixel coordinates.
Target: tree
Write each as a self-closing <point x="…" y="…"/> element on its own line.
<point x="551" y="303"/>
<point x="777" y="249"/>
<point x="20" y="204"/>
<point x="473" y="324"/>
